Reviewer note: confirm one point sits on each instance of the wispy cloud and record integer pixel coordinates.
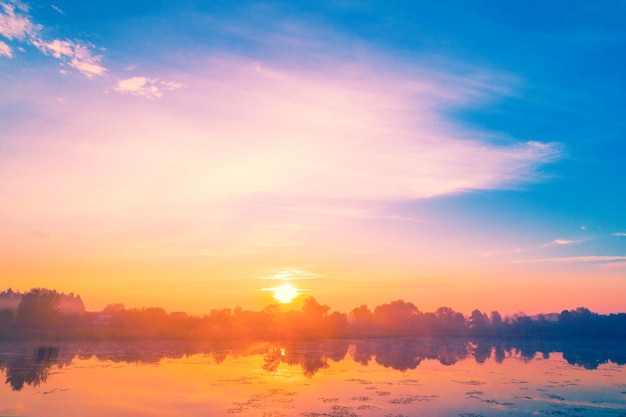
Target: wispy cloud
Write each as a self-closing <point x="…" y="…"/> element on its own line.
<point x="378" y="135"/>
<point x="573" y="259"/>
<point x="620" y="234"/>
<point x="563" y="242"/>
<point x="554" y="243"/>
<point x="343" y="135"/>
<point x="327" y="143"/>
<point x="16" y="24"/>
<point x="57" y="9"/>
<point x="291" y="274"/>
<point x="5" y="50"/>
<point x="146" y="87"/>
<point x="77" y="55"/>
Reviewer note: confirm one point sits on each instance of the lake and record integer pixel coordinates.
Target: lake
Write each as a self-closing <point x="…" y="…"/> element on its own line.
<point x="336" y="378"/>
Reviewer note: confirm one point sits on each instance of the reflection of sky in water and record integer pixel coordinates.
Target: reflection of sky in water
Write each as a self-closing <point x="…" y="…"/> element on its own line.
<point x="314" y="379"/>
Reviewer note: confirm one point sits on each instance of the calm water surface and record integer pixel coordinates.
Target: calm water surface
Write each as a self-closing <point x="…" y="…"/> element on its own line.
<point x="400" y="377"/>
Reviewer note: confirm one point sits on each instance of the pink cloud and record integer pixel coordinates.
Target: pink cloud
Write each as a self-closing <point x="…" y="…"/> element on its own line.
<point x="146" y="87"/>
<point x="5" y="50"/>
<point x="353" y="139"/>
<point x="239" y="129"/>
<point x="78" y="56"/>
<point x="15" y="24"/>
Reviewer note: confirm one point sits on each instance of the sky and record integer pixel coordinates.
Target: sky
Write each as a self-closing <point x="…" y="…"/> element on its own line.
<point x="193" y="155"/>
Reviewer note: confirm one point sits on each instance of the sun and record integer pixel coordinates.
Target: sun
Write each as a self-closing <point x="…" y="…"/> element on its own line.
<point x="285" y="293"/>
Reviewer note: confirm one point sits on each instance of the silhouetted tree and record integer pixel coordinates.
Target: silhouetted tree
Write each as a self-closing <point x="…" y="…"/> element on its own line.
<point x="38" y="308"/>
<point x="397" y="318"/>
<point x="44" y="312"/>
<point x="361" y="319"/>
<point x="478" y="322"/>
<point x="497" y="324"/>
<point x="449" y="322"/>
<point x="71" y="304"/>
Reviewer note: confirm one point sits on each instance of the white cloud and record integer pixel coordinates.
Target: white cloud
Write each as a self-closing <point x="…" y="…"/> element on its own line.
<point x="620" y="234"/>
<point x="5" y="50"/>
<point x="56" y="48"/>
<point x="146" y="87"/>
<point x="290" y="274"/>
<point x="77" y="55"/>
<point x="563" y="242"/>
<point x="57" y="9"/>
<point x="14" y="24"/>
<point x="573" y="259"/>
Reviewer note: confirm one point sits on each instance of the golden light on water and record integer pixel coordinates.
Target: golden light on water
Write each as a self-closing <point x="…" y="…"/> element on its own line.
<point x="285" y="293"/>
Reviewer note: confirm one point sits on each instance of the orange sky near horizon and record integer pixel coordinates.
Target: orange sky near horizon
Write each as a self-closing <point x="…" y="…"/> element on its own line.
<point x="153" y="286"/>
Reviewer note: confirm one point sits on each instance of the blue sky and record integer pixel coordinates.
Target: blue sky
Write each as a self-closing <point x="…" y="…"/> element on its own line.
<point x="462" y="142"/>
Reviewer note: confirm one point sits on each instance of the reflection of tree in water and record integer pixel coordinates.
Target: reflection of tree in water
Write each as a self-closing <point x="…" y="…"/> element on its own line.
<point x="22" y="371"/>
<point x="313" y="362"/>
<point x="273" y="358"/>
<point x="449" y="353"/>
<point x="481" y="351"/>
<point x="405" y="354"/>
<point x="362" y="352"/>
<point x="401" y="354"/>
<point x="311" y="356"/>
<point x="527" y="350"/>
<point x="499" y="353"/>
<point x="33" y="370"/>
<point x="592" y="355"/>
<point x="398" y="354"/>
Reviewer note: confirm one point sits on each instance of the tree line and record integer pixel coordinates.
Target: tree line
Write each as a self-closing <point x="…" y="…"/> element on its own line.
<point x="43" y="312"/>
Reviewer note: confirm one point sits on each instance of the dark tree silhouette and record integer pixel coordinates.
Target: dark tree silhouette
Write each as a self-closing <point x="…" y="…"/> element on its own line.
<point x="450" y="322"/>
<point x="39" y="307"/>
<point x="478" y="323"/>
<point x="46" y="313"/>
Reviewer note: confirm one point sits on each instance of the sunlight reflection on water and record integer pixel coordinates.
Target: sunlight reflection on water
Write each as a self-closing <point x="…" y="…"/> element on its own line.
<point x="337" y="378"/>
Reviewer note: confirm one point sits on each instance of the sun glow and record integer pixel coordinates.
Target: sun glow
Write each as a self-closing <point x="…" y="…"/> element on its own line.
<point x="285" y="293"/>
